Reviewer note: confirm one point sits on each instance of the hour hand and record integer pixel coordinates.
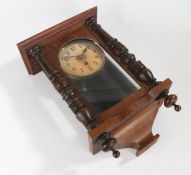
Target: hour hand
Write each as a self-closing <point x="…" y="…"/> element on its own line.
<point x="84" y="51"/>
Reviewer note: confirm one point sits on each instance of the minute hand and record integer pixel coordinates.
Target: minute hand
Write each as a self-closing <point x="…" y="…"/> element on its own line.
<point x="67" y="58"/>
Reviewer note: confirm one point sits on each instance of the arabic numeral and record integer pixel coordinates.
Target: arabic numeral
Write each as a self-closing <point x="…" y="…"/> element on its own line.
<point x="68" y="53"/>
<point x="74" y="69"/>
<point x="72" y="48"/>
<point x="90" y="68"/>
<point x="81" y="70"/>
<point x="95" y="62"/>
<point x="68" y="64"/>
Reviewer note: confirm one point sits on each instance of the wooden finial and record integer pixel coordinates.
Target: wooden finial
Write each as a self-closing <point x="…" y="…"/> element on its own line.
<point x="109" y="145"/>
<point x="170" y="101"/>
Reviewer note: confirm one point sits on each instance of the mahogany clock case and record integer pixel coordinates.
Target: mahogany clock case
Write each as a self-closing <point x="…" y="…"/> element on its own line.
<point x="123" y="120"/>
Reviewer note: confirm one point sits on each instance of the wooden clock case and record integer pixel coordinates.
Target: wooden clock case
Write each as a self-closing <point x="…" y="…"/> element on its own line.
<point x="127" y="124"/>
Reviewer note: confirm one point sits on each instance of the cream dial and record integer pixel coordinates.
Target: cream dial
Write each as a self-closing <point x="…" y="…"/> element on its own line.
<point x="81" y="58"/>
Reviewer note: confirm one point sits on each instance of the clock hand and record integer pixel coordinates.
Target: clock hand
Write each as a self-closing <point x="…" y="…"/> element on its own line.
<point x="84" y="59"/>
<point x="83" y="52"/>
<point x="67" y="57"/>
<point x="71" y="56"/>
<point x="80" y="56"/>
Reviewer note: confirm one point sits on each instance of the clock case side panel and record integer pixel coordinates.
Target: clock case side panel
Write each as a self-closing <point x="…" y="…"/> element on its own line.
<point x="43" y="37"/>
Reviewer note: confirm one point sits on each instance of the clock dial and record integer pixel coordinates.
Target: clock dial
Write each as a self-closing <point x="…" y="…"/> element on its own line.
<point x="81" y="58"/>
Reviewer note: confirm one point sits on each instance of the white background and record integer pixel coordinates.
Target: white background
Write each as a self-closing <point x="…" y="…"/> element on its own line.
<point x="39" y="135"/>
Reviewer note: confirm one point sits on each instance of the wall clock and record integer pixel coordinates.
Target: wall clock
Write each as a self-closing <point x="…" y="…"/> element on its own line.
<point x="112" y="94"/>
